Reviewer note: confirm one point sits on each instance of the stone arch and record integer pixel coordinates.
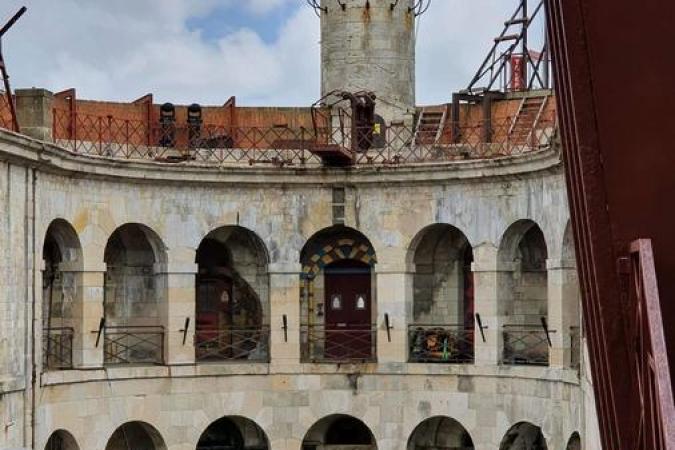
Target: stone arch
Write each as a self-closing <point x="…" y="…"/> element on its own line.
<point x="337" y="432"/>
<point x="440" y="433"/>
<point x="61" y="295"/>
<point x="135" y="296"/>
<point x="523" y="294"/>
<point x="333" y="244"/>
<point x="137" y="435"/>
<point x="574" y="442"/>
<point x="61" y="440"/>
<point x="523" y="436"/>
<point x="235" y="433"/>
<point x="443" y="297"/>
<point x="337" y="292"/>
<point x="232" y="296"/>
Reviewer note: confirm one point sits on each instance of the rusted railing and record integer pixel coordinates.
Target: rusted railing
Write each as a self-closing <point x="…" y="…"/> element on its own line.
<point x="575" y="348"/>
<point x="441" y="344"/>
<point x="57" y="348"/>
<point x="332" y="343"/>
<point x="5" y="112"/>
<point x="526" y="345"/>
<point x="249" y="344"/>
<point x="133" y="345"/>
<point x="657" y="424"/>
<point x="108" y="136"/>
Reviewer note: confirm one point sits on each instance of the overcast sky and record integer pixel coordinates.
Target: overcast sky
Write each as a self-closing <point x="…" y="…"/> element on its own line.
<point x="266" y="52"/>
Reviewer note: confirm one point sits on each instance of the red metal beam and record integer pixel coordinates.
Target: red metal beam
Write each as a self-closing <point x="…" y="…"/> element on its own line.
<point x="615" y="102"/>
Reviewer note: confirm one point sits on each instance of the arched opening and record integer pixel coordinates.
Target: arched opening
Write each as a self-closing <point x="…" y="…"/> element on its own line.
<point x="440" y="433"/>
<point x="134" y="296"/>
<point x="523" y="295"/>
<point x="61" y="440"/>
<point x="136" y="436"/>
<point x="339" y="432"/>
<point x="337" y="291"/>
<point x="523" y="436"/>
<point x="571" y="298"/>
<point x="232" y="297"/>
<point x="233" y="433"/>
<point x="442" y="325"/>
<point x="574" y="442"/>
<point x="61" y="295"/>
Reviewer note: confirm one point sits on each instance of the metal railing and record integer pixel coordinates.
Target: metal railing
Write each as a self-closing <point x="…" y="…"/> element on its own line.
<point x="108" y="136"/>
<point x="237" y="344"/>
<point x="335" y="344"/>
<point x="5" y="112"/>
<point x="133" y="345"/>
<point x="575" y="348"/>
<point x="650" y="356"/>
<point x="440" y="344"/>
<point x="526" y="345"/>
<point x="57" y="348"/>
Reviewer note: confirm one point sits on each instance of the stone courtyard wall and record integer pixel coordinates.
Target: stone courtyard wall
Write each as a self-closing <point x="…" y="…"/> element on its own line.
<point x="284" y="207"/>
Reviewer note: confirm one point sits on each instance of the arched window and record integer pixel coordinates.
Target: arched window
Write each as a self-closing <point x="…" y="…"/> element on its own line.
<point x="135" y="296"/>
<point x="442" y="326"/>
<point x="440" y="433"/>
<point x="341" y="431"/>
<point x="523" y="436"/>
<point x="61" y="440"/>
<point x="574" y="443"/>
<point x="337" y="292"/>
<point x="61" y="295"/>
<point x="233" y="433"/>
<point x="232" y="297"/>
<point x="137" y="436"/>
<point x="523" y="295"/>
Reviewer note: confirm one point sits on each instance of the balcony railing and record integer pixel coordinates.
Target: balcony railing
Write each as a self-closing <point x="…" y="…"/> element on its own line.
<point x="57" y="348"/>
<point x="5" y="112"/>
<point x="526" y="345"/>
<point x="232" y="344"/>
<point x="114" y="137"/>
<point x="336" y="344"/>
<point x="441" y="344"/>
<point x="133" y="345"/>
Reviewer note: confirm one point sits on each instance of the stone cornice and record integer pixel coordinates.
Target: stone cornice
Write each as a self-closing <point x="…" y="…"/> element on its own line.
<point x="50" y="158"/>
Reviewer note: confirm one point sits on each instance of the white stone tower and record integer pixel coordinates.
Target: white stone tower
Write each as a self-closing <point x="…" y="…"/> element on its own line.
<point x="369" y="45"/>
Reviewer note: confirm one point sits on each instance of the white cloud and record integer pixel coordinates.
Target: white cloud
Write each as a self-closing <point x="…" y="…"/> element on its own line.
<point x="122" y="49"/>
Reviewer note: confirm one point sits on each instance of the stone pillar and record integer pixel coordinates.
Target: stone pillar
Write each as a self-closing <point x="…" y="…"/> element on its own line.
<point x="394" y="290"/>
<point x="285" y="301"/>
<point x="91" y="314"/>
<point x="34" y="112"/>
<point x="486" y="279"/>
<point x="563" y="309"/>
<point x="180" y="305"/>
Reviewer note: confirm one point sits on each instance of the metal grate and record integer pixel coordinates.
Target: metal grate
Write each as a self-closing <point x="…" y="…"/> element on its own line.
<point x="133" y="345"/>
<point x="249" y="344"/>
<point x="325" y="343"/>
<point x="108" y="136"/>
<point x="441" y="344"/>
<point x="57" y="348"/>
<point x="525" y="345"/>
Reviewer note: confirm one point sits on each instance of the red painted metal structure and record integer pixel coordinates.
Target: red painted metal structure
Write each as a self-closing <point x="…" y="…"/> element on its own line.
<point x="616" y="116"/>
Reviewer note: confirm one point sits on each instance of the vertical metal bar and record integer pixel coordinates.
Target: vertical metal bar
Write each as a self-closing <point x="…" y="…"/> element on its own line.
<point x="284" y="320"/>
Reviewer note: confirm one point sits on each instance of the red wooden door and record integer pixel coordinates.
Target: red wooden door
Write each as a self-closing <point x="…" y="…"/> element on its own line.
<point x="347" y="286"/>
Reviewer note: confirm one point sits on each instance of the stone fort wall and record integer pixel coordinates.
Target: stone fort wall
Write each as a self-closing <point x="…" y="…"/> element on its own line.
<point x="284" y="208"/>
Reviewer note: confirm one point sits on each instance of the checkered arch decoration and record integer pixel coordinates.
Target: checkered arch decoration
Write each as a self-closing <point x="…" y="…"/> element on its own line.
<point x="327" y="253"/>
